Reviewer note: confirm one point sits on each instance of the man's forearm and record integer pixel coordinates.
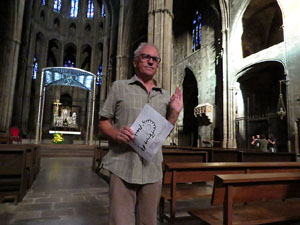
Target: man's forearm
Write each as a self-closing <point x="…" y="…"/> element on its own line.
<point x="172" y="117"/>
<point x="108" y="130"/>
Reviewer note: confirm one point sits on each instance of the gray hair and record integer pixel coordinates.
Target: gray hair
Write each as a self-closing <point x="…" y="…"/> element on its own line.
<point x="142" y="45"/>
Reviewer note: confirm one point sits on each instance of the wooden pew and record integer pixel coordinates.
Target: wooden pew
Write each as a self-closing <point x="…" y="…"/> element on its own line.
<point x="5" y="138"/>
<point x="32" y="158"/>
<point x="240" y="155"/>
<point x="264" y="194"/>
<point x="178" y="173"/>
<point x="13" y="176"/>
<point x="99" y="153"/>
<point x="169" y="155"/>
<point x="248" y="156"/>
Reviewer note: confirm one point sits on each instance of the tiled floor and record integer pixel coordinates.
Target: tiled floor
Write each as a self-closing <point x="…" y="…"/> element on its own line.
<point x="67" y="192"/>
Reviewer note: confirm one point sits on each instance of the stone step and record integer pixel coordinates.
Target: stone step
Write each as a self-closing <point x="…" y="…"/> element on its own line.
<point x="66" y="150"/>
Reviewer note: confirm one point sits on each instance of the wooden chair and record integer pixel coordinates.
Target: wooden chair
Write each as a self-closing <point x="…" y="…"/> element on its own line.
<point x="15" y="134"/>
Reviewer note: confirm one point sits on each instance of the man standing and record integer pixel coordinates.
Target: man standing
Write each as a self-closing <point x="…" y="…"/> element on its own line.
<point x="135" y="184"/>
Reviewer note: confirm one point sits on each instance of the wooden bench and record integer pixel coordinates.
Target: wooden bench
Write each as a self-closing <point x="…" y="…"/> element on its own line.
<point x="267" y="196"/>
<point x="248" y="156"/>
<point x="5" y="138"/>
<point x="169" y="155"/>
<point x="13" y="176"/>
<point x="239" y="155"/>
<point x="99" y="153"/>
<point x="32" y="158"/>
<point x="178" y="173"/>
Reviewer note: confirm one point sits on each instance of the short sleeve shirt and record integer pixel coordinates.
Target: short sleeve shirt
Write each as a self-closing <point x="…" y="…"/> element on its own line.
<point x="125" y="101"/>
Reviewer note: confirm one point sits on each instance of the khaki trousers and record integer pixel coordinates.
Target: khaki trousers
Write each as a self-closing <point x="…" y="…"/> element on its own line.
<point x="133" y="204"/>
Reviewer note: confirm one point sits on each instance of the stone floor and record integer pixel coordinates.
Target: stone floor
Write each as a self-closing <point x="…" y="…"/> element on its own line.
<point x="66" y="192"/>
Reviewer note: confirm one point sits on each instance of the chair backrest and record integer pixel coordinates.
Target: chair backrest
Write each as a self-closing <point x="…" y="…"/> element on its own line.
<point x="14" y="131"/>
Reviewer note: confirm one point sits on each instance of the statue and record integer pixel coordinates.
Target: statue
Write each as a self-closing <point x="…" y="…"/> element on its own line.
<point x="74" y="119"/>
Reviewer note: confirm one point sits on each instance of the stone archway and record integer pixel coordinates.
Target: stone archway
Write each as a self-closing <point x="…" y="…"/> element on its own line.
<point x="257" y="104"/>
<point x="188" y="134"/>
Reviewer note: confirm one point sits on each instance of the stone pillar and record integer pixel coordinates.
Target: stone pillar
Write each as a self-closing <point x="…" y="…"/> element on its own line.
<point x="65" y="8"/>
<point x="160" y="20"/>
<point x="22" y="65"/>
<point x="27" y="83"/>
<point x="78" y="55"/>
<point x="231" y="118"/>
<point x="9" y="62"/>
<point x="122" y="51"/>
<point x="225" y="37"/>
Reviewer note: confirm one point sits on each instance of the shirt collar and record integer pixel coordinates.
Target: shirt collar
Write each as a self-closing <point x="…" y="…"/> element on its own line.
<point x="135" y="79"/>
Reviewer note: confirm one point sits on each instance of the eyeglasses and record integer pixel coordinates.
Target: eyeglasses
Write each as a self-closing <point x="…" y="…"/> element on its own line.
<point x="147" y="57"/>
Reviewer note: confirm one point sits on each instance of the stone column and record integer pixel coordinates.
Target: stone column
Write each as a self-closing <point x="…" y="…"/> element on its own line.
<point x="122" y="53"/>
<point x="28" y="83"/>
<point x="160" y="21"/>
<point x="9" y="62"/>
<point x="22" y="65"/>
<point x="225" y="38"/>
<point x="231" y="117"/>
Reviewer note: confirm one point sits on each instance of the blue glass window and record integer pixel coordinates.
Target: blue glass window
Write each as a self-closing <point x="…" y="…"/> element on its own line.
<point x="103" y="11"/>
<point x="74" y="8"/>
<point x="69" y="63"/>
<point x="90" y="9"/>
<point x="35" y="68"/>
<point x="99" y="76"/>
<point x="57" y="5"/>
<point x="43" y="2"/>
<point x="196" y="33"/>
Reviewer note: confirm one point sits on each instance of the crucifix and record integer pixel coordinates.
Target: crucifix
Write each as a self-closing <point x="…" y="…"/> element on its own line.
<point x="56" y="107"/>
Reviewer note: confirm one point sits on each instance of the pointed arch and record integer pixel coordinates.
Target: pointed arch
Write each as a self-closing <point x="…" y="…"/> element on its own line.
<point x="262" y="26"/>
<point x="190" y="101"/>
<point x="69" y="59"/>
<point x="54" y="47"/>
<point x="85" y="59"/>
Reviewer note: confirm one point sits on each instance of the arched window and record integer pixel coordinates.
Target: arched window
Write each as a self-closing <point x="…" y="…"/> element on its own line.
<point x="74" y="8"/>
<point x="99" y="76"/>
<point x="35" y="68"/>
<point x="103" y="11"/>
<point x="90" y="9"/>
<point x="57" y="5"/>
<point x="43" y="2"/>
<point x="69" y="63"/>
<point x="196" y="34"/>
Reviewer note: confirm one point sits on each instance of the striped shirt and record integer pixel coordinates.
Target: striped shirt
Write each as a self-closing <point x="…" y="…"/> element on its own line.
<point x="123" y="104"/>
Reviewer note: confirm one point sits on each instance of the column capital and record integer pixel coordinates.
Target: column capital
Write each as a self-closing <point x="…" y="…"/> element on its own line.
<point x="165" y="10"/>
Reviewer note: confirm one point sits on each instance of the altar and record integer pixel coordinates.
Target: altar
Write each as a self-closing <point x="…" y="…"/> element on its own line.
<point x="65" y="119"/>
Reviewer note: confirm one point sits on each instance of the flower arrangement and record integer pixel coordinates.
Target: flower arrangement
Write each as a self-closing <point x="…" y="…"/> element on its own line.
<point x="57" y="138"/>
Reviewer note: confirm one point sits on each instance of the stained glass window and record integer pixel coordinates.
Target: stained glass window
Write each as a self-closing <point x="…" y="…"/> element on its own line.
<point x="99" y="76"/>
<point x="69" y="63"/>
<point x="74" y="8"/>
<point x="90" y="9"/>
<point x="103" y="11"/>
<point x="43" y="2"/>
<point x="57" y="5"/>
<point x="196" y="33"/>
<point x="35" y="68"/>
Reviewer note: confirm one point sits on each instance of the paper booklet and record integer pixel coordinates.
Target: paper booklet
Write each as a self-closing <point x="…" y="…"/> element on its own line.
<point x="150" y="131"/>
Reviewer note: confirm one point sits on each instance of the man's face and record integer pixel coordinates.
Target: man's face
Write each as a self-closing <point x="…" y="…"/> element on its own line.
<point x="146" y="63"/>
